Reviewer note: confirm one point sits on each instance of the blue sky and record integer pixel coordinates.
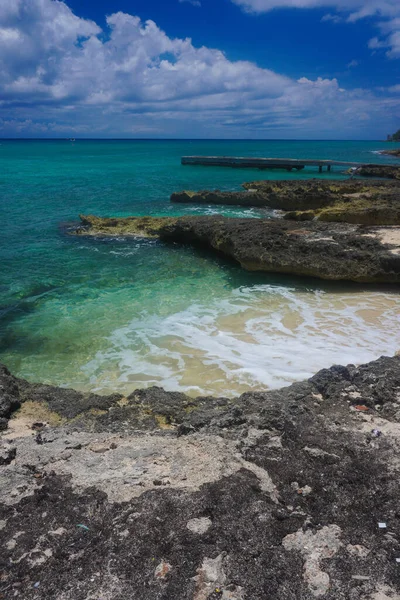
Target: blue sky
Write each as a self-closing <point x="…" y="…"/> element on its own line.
<point x="319" y="69"/>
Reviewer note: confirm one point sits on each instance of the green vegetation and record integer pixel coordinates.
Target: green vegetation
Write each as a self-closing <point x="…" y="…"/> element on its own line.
<point x="395" y="137"/>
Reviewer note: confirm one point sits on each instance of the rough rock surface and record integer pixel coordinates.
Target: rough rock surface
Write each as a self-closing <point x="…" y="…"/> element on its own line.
<point x="394" y="152"/>
<point x="372" y="203"/>
<point x="272" y="496"/>
<point x="138" y="226"/>
<point x="386" y="171"/>
<point x="328" y="251"/>
<point x="249" y="198"/>
<point x="9" y="396"/>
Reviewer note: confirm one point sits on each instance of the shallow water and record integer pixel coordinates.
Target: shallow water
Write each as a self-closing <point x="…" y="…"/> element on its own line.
<point x="121" y="314"/>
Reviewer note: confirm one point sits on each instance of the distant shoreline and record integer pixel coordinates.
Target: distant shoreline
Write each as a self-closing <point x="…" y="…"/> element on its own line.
<point x="395" y="152"/>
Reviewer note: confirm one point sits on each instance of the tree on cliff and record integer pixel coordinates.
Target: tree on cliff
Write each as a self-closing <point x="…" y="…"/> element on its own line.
<point x="395" y="137"/>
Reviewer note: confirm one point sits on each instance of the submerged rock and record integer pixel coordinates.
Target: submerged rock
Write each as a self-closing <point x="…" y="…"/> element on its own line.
<point x="282" y="503"/>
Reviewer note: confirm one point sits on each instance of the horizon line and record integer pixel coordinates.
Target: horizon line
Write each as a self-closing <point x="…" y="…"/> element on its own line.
<point x="133" y="139"/>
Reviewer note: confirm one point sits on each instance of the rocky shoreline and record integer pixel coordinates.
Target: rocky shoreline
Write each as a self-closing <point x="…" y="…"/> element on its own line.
<point x="289" y="494"/>
<point x="385" y="171"/>
<point x="331" y="251"/>
<point x="395" y="152"/>
<point x="367" y="203"/>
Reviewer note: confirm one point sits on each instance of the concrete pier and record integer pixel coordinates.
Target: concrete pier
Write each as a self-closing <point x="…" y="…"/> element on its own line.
<point x="265" y="163"/>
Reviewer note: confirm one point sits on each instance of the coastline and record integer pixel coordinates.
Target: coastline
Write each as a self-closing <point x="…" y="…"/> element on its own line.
<point x="289" y="492"/>
<point x="146" y="483"/>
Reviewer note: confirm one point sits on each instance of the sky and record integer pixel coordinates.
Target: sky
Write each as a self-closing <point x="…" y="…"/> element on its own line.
<point x="260" y="69"/>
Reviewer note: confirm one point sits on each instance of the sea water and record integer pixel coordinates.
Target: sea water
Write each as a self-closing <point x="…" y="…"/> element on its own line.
<point x="121" y="314"/>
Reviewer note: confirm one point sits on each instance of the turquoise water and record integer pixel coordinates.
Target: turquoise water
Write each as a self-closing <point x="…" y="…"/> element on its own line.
<point x="101" y="315"/>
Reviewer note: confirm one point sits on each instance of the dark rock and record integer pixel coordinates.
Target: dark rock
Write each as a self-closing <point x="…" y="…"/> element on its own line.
<point x="7" y="455"/>
<point x="394" y="152"/>
<point x="353" y="201"/>
<point x="327" y="251"/>
<point x="66" y="403"/>
<point x="249" y="198"/>
<point x="9" y="394"/>
<point x="389" y="171"/>
<point x="315" y="533"/>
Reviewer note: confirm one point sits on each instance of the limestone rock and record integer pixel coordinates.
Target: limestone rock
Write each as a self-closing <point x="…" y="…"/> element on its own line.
<point x="328" y="251"/>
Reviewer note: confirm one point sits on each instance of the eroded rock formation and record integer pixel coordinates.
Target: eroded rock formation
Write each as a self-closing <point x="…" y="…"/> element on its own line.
<point x="385" y="171"/>
<point x="325" y="250"/>
<point x="284" y="495"/>
<point x="352" y="201"/>
<point x="394" y="152"/>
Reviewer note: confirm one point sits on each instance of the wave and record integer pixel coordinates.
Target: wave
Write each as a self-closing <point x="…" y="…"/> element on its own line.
<point x="262" y="337"/>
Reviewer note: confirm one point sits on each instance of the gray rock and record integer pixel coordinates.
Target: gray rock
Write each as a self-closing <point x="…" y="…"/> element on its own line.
<point x="94" y="525"/>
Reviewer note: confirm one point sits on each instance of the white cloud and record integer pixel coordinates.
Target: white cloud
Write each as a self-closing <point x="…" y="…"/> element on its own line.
<point x="192" y="2"/>
<point x="332" y="18"/>
<point x="352" y="64"/>
<point x="61" y="73"/>
<point x="387" y="13"/>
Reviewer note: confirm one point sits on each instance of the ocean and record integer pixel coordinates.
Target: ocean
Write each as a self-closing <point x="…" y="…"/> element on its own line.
<point x="116" y="315"/>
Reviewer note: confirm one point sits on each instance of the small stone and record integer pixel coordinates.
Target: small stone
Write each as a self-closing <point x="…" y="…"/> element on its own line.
<point x="11" y="544"/>
<point x="59" y="531"/>
<point x="359" y="551"/>
<point x="305" y="491"/>
<point x="199" y="526"/>
<point x="360" y="577"/>
<point x="124" y="534"/>
<point x="162" y="570"/>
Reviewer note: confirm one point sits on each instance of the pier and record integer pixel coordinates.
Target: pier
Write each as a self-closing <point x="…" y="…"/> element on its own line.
<point x="265" y="163"/>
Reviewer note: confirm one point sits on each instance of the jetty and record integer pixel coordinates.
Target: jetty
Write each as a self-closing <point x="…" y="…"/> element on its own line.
<point x="266" y="163"/>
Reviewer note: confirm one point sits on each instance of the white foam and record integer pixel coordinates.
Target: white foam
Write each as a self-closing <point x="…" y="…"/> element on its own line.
<point x="259" y="337"/>
<point x="232" y="211"/>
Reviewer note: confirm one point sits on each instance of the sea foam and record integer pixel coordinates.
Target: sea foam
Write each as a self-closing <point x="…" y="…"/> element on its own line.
<point x="261" y="337"/>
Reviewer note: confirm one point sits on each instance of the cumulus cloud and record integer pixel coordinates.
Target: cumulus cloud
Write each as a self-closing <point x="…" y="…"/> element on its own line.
<point x="387" y="13"/>
<point x="62" y="73"/>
